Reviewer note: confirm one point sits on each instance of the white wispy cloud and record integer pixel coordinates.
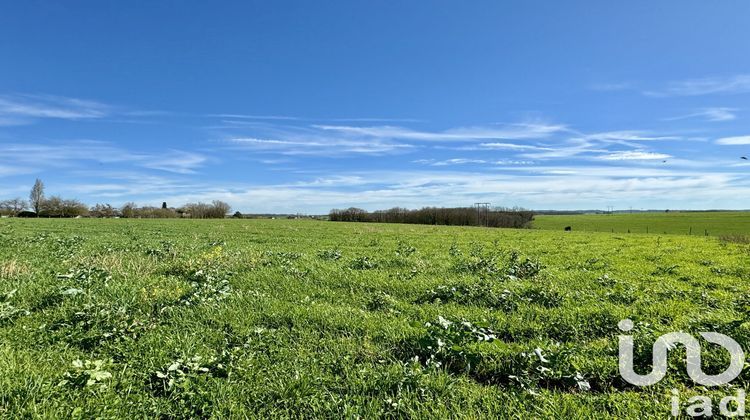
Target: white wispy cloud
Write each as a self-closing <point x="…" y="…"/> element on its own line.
<point x="256" y="117"/>
<point x="176" y="161"/>
<point x="8" y="170"/>
<point x="582" y="145"/>
<point x="23" y="108"/>
<point x="317" y="146"/>
<point x="343" y="140"/>
<point x="629" y="135"/>
<point x="469" y="161"/>
<point x="566" y="149"/>
<point x="124" y="186"/>
<point x="490" y="146"/>
<point x="72" y="154"/>
<point x="566" y="187"/>
<point x="739" y="83"/>
<point x="634" y="155"/>
<point x="511" y="146"/>
<point x="733" y="141"/>
<point x="572" y="185"/>
<point x="344" y="180"/>
<point x="531" y="163"/>
<point x="374" y="119"/>
<point x="499" y="132"/>
<point x="709" y="114"/>
<point x="293" y="118"/>
<point x="459" y="161"/>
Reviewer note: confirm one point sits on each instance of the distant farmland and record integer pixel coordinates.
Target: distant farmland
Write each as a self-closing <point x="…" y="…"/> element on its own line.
<point x="695" y="223"/>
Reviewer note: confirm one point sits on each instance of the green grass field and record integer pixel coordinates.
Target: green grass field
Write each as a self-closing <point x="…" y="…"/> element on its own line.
<point x="688" y="223"/>
<point x="276" y="318"/>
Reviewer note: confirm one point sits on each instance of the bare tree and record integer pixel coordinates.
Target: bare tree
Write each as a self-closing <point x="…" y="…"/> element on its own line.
<point x="129" y="210"/>
<point x="56" y="206"/>
<point x="216" y="210"/>
<point x="36" y="197"/>
<point x="51" y="207"/>
<point x="103" y="211"/>
<point x="17" y="204"/>
<point x="5" y="208"/>
<point x="74" y="208"/>
<point x="12" y="207"/>
<point x="221" y="209"/>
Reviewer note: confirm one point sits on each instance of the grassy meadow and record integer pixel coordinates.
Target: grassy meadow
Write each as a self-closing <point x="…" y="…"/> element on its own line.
<point x="679" y="223"/>
<point x="286" y="318"/>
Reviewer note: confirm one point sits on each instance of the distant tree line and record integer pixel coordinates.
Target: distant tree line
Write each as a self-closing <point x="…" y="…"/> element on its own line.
<point x="41" y="206"/>
<point x="456" y="216"/>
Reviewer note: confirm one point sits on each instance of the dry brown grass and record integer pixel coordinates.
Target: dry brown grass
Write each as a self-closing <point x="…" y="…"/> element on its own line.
<point x="116" y="265"/>
<point x="735" y="238"/>
<point x="12" y="269"/>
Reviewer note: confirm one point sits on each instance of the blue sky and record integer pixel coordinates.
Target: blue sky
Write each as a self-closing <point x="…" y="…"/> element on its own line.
<point x="304" y="106"/>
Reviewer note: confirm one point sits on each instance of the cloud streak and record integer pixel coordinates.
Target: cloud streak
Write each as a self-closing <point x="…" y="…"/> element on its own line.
<point x="466" y="161"/>
<point x="530" y="163"/>
<point x="735" y="84"/>
<point x="346" y="140"/>
<point x="499" y="132"/>
<point x="635" y="155"/>
<point x="717" y="114"/>
<point x="23" y="108"/>
<point x="331" y="147"/>
<point x="734" y="141"/>
<point x="71" y="154"/>
<point x="565" y="187"/>
<point x="629" y="135"/>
